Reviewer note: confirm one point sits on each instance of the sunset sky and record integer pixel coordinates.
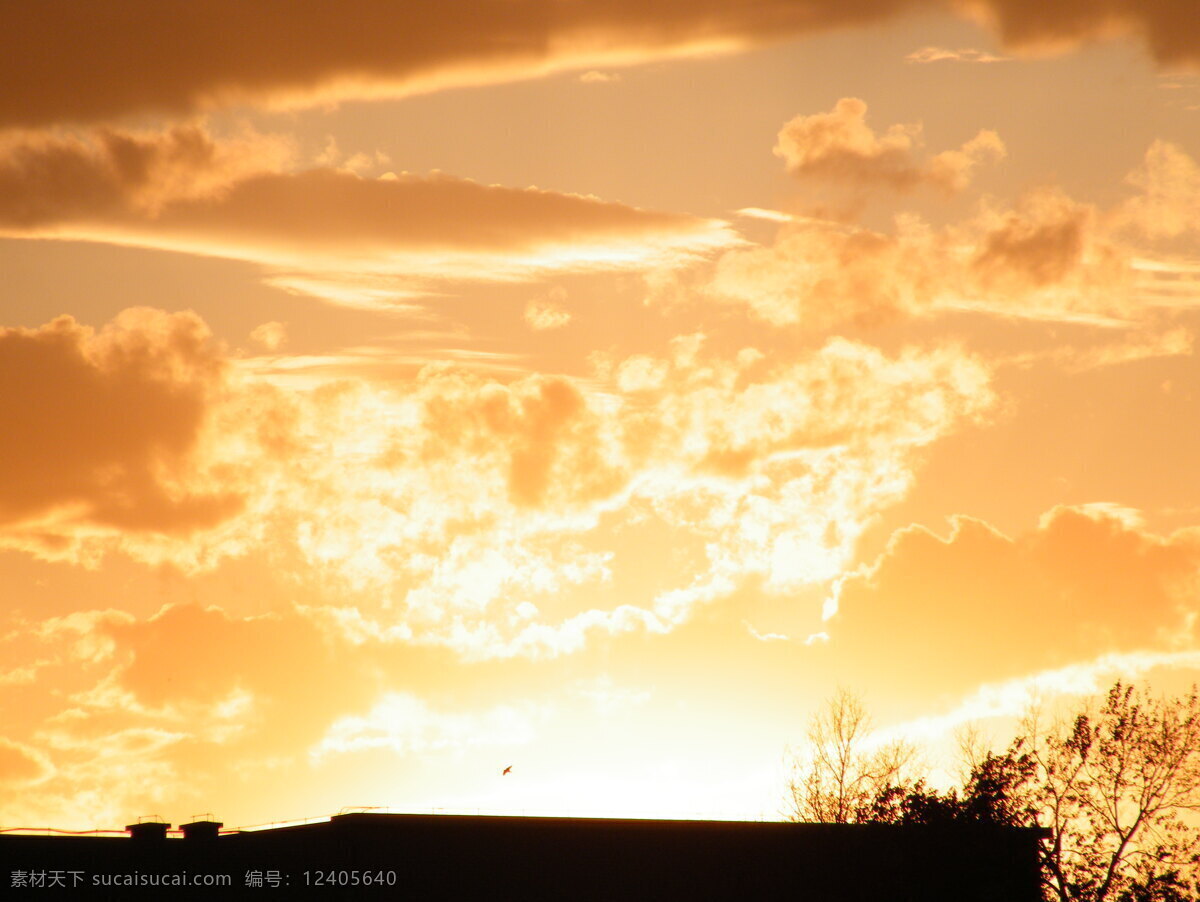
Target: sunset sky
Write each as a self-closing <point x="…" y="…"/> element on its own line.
<point x="394" y="392"/>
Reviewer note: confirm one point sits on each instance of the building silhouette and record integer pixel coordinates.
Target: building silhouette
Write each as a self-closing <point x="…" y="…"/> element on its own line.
<point x="426" y="857"/>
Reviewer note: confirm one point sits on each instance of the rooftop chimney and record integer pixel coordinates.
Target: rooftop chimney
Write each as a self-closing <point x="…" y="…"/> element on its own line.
<point x="202" y="828"/>
<point x="149" y="829"/>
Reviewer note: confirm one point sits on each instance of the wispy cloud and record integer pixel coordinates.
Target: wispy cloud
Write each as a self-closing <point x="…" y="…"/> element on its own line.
<point x="944" y="55"/>
<point x="596" y="77"/>
<point x="768" y="215"/>
<point x="365" y="242"/>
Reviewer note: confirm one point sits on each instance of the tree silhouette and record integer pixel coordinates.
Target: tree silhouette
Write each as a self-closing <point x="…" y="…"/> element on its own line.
<point x="1112" y="787"/>
<point x="840" y="774"/>
<point x="993" y="794"/>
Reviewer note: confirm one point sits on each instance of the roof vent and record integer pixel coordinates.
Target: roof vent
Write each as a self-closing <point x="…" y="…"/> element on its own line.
<point x="202" y="827"/>
<point x="151" y="828"/>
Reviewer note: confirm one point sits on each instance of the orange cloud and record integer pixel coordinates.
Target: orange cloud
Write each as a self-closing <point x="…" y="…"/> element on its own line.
<point x="1132" y="346"/>
<point x="102" y="428"/>
<point x="978" y="606"/>
<point x="76" y="65"/>
<point x="1048" y="257"/>
<point x="184" y="190"/>
<point x="185" y="698"/>
<point x="228" y="691"/>
<point x="840" y="147"/>
<point x="486" y="514"/>
<point x="271" y="336"/>
<point x="548" y="435"/>
<point x="543" y="314"/>
<point x="47" y="180"/>
<point x="1045" y="256"/>
<point x="22" y="765"/>
<point x="136" y="56"/>
<point x="491" y="513"/>
<point x="1034" y="250"/>
<point x="186" y="711"/>
<point x="140" y="437"/>
<point x="1168" y="28"/>
<point x="210" y="707"/>
<point x="341" y="214"/>
<point x="1168" y="203"/>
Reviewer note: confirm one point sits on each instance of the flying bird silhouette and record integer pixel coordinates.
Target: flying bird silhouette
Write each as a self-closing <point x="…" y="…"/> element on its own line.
<point x="506" y="771"/>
